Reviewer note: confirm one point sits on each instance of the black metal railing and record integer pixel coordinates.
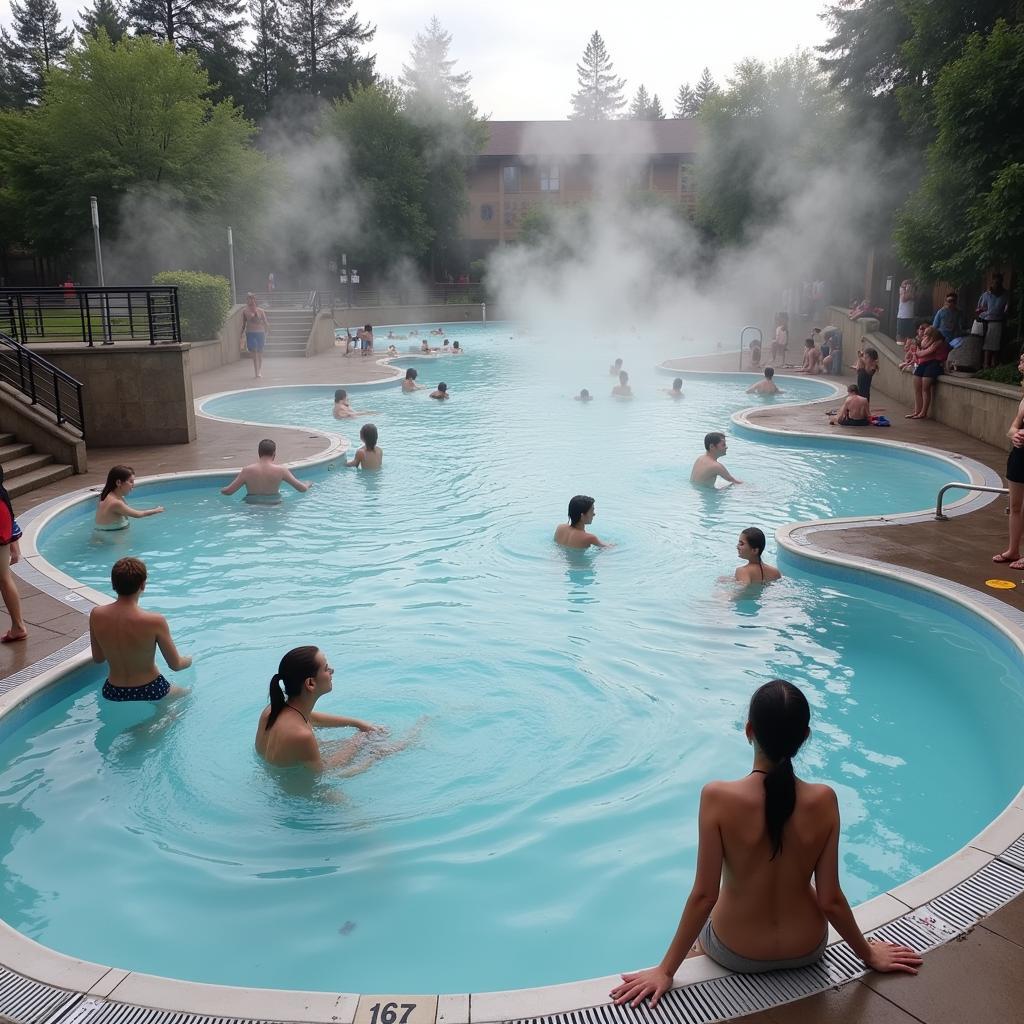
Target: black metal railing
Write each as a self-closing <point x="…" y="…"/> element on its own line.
<point x="428" y="295"/>
<point x="92" y="315"/>
<point x="41" y="382"/>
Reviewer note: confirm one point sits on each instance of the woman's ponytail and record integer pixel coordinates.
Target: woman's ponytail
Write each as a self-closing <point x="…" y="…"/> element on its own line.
<point x="780" y="719"/>
<point x="298" y="665"/>
<point x="276" y="699"/>
<point x="779" y="801"/>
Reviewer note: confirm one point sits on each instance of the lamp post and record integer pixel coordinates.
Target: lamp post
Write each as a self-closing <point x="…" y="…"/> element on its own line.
<point x="231" y="266"/>
<point x="94" y="212"/>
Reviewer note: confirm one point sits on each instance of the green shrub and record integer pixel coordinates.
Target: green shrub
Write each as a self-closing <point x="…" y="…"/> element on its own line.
<point x="477" y="269"/>
<point x="1005" y="374"/>
<point x="204" y="301"/>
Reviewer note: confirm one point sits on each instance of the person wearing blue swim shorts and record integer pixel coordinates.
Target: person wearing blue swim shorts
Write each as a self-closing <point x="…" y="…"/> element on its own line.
<point x="126" y="637"/>
<point x="254" y="332"/>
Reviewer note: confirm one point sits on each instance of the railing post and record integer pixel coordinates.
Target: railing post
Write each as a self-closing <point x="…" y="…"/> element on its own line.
<point x="131" y="317"/>
<point x="22" y="326"/>
<point x="81" y="408"/>
<point x="56" y="399"/>
<point x="85" y="314"/>
<point x="21" y="370"/>
<point x="31" y="382"/>
<point x="176" y="325"/>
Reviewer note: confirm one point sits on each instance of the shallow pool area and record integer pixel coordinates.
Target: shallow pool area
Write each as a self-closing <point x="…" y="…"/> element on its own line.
<point x="568" y="705"/>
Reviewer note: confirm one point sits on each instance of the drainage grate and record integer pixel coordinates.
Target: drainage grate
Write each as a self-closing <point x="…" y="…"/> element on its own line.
<point x="102" y="1011"/>
<point x="1014" y="854"/>
<point x="25" y="1001"/>
<point x="50" y="661"/>
<point x="993" y="886"/>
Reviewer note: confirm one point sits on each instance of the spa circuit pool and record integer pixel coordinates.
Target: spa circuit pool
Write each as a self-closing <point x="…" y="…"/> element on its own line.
<point x="569" y="705"/>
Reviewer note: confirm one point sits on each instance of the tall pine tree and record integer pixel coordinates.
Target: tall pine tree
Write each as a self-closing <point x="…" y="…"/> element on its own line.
<point x="641" y="105"/>
<point x="599" y="96"/>
<point x="655" y="112"/>
<point x="686" y="101"/>
<point x="270" y="67"/>
<point x="38" y="44"/>
<point x="188" y="24"/>
<point x="324" y="38"/>
<point x="430" y="77"/>
<point x="106" y="15"/>
<point x="706" y="88"/>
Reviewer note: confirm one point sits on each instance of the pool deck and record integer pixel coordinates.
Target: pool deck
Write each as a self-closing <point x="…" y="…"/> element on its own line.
<point x="979" y="977"/>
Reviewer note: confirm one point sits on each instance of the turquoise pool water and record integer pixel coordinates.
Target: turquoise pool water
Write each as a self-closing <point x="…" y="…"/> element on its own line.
<point x="542" y="829"/>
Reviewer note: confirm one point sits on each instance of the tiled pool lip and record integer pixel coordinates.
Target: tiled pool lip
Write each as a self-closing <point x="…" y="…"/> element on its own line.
<point x="938" y="905"/>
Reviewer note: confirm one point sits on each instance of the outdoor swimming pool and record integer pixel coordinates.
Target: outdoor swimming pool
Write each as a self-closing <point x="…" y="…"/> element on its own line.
<point x="543" y="827"/>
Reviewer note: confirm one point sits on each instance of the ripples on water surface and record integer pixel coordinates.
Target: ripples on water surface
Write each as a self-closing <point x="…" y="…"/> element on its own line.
<point x="543" y="829"/>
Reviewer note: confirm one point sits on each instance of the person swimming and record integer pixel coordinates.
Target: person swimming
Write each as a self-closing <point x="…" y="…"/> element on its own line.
<point x="409" y="384"/>
<point x="113" y="511"/>
<point x="750" y="547"/>
<point x="370" y="456"/>
<point x="574" y="534"/>
<point x="676" y="391"/>
<point x="622" y="389"/>
<point x="615" y="369"/>
<point x="285" y="737"/>
<point x="457" y="349"/>
<point x="707" y="469"/>
<point x="767" y="386"/>
<point x="344" y="411"/>
<point x="441" y="393"/>
<point x="761" y="839"/>
<point x="584" y="396"/>
<point x="262" y="480"/>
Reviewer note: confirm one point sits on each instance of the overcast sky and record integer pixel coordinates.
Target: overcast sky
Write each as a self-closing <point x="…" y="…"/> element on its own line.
<point x="523" y="55"/>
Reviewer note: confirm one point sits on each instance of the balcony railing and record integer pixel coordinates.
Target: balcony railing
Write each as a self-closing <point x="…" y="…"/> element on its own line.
<point x="90" y="315"/>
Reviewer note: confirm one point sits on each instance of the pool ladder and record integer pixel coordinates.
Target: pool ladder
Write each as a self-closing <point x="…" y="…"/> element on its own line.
<point x="743" y="338"/>
<point x="963" y="487"/>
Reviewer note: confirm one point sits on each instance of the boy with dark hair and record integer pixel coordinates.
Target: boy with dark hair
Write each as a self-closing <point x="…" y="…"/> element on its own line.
<point x="126" y="637"/>
<point x="707" y="469"/>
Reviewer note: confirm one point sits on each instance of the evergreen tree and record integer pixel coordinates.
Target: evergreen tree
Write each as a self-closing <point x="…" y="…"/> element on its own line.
<point x="429" y="77"/>
<point x="189" y="24"/>
<point x="706" y="87"/>
<point x="639" y="109"/>
<point x="270" y="67"/>
<point x="686" y="101"/>
<point x="106" y="15"/>
<point x="599" y="96"/>
<point x="39" y="43"/>
<point x="655" y="112"/>
<point x="324" y="38"/>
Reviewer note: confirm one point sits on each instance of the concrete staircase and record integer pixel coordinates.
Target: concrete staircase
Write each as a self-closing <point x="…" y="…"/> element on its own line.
<point x="25" y="469"/>
<point x="289" y="331"/>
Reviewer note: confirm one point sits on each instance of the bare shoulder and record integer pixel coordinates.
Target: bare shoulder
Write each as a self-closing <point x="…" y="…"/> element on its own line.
<point x="818" y="796"/>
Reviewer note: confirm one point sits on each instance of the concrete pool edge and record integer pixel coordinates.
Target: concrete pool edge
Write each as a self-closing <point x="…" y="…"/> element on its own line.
<point x="93" y="983"/>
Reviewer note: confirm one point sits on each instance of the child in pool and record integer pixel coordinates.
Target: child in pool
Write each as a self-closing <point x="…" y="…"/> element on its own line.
<point x="370" y="456"/>
<point x="750" y="547"/>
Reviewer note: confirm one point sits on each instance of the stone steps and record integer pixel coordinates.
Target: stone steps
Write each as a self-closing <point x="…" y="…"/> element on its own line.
<point x="26" y="469"/>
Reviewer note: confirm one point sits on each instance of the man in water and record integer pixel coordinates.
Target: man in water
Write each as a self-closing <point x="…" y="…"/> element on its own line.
<point x="766" y="386"/>
<point x="126" y="637"/>
<point x="622" y="389"/>
<point x="676" y="391"/>
<point x="615" y="369"/>
<point x="574" y="534"/>
<point x="344" y="411"/>
<point x="262" y="480"/>
<point x="707" y="469"/>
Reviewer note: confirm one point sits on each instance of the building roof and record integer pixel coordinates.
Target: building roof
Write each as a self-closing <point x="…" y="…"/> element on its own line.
<point x="591" y="138"/>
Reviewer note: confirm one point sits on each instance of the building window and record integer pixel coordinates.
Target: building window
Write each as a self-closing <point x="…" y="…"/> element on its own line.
<point x="486" y="212"/>
<point x="549" y="179"/>
<point x="686" y="177"/>
<point x="511" y="178"/>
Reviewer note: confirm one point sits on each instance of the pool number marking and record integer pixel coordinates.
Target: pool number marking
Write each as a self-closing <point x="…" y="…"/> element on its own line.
<point x="396" y="1010"/>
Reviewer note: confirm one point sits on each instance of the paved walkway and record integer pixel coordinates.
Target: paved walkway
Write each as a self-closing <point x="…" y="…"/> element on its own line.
<point x="979" y="978"/>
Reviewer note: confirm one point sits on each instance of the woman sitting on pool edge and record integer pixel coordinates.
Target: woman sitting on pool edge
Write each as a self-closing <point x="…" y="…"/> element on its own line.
<point x="113" y="511"/>
<point x="751" y="546"/>
<point x="760" y="840"/>
<point x="287" y="739"/>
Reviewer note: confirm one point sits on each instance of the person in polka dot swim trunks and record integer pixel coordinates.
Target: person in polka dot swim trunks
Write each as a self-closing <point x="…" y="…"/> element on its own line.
<point x="126" y="637"/>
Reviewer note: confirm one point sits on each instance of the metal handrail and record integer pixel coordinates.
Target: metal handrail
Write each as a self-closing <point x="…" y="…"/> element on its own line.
<point x="40" y="381"/>
<point x="743" y="337"/>
<point x="963" y="487"/>
<point x="87" y="314"/>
